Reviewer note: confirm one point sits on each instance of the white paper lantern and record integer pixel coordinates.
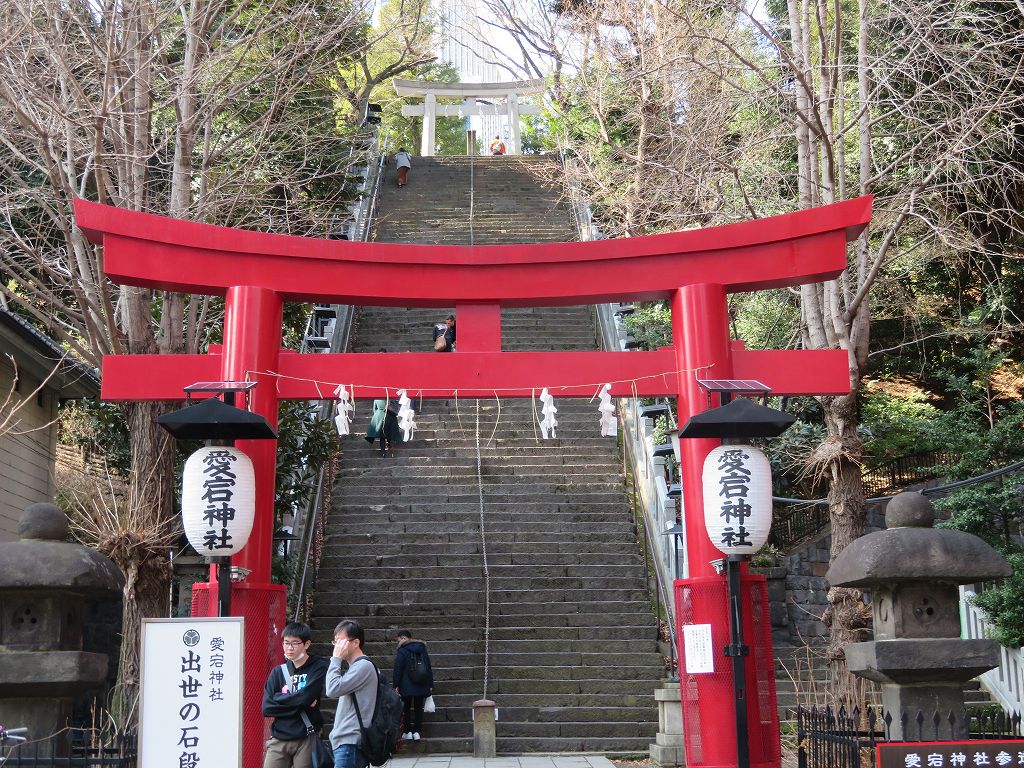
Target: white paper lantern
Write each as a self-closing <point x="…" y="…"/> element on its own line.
<point x="737" y="499"/>
<point x="218" y="500"/>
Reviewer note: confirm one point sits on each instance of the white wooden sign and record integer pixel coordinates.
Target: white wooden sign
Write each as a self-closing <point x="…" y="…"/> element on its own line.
<point x="700" y="657"/>
<point x="191" y="693"/>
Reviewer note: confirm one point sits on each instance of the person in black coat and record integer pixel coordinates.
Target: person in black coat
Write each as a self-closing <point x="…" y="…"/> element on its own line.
<point x="414" y="681"/>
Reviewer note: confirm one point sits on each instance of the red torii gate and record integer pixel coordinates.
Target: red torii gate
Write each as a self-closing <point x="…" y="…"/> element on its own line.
<point x="694" y="270"/>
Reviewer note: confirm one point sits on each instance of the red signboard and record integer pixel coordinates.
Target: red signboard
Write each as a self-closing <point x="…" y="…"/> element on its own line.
<point x="950" y="754"/>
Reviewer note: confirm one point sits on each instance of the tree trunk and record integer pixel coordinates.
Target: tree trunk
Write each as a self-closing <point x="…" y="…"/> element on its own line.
<point x="847" y="616"/>
<point x="142" y="553"/>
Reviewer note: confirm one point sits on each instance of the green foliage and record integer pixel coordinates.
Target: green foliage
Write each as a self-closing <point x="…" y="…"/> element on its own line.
<point x="1003" y="604"/>
<point x="899" y="425"/>
<point x="651" y="324"/>
<point x="99" y="430"/>
<point x="765" y="319"/>
<point x="304" y="447"/>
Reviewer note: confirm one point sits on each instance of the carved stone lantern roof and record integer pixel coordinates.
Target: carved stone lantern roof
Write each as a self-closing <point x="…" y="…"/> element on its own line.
<point x="910" y="550"/>
<point x="43" y="560"/>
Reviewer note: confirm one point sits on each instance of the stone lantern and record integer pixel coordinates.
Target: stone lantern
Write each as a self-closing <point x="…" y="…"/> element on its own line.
<point x="913" y="571"/>
<point x="46" y="585"/>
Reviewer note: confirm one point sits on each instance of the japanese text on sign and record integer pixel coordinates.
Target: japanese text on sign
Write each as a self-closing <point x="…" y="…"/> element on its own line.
<point x="951" y="754"/>
<point x="218" y="491"/>
<point x="734" y="489"/>
<point x="191" y="693"/>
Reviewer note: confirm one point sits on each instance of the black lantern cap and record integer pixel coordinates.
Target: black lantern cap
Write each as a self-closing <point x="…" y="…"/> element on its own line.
<point x="213" y="419"/>
<point x="741" y="417"/>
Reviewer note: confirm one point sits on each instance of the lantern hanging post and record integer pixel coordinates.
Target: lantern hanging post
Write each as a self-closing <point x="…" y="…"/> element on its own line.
<point x="218" y="483"/>
<point x="737" y="485"/>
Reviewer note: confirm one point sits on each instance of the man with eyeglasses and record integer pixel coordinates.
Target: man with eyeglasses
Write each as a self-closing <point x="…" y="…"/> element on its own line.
<point x="290" y="695"/>
<point x="359" y="680"/>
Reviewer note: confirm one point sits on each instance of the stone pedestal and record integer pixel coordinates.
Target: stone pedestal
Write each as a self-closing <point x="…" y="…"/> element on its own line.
<point x="484" y="733"/>
<point x="668" y="748"/>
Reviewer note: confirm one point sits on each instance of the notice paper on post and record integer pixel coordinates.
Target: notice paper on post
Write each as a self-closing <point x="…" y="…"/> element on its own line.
<point x="697" y="648"/>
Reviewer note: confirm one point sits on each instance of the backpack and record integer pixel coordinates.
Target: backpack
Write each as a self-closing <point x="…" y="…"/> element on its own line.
<point x="380" y="735"/>
<point x="418" y="672"/>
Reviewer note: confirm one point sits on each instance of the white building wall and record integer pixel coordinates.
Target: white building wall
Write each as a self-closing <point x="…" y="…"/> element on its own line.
<point x="461" y="46"/>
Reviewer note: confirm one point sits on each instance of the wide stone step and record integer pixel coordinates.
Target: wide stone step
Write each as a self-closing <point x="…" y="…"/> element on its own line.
<point x="507" y="729"/>
<point x="533" y="745"/>
<point x="506" y="600"/>
<point x="554" y="686"/>
<point x="501" y="584"/>
<point x="473" y="562"/>
<point x="552" y="706"/>
<point x="369" y="550"/>
<point x="419" y="615"/>
<point x="473" y="636"/>
<point x="498" y="571"/>
<point x="513" y="491"/>
<point x="398" y="514"/>
<point x="569" y="664"/>
<point x="496" y="528"/>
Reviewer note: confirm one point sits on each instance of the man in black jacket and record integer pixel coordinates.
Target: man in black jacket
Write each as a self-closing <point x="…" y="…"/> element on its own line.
<point x="286" y="697"/>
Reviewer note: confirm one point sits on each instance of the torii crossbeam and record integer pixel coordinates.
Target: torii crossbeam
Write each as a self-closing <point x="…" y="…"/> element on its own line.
<point x="694" y="270"/>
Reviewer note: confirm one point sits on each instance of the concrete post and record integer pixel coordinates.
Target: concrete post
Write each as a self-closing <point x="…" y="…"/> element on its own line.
<point x="429" y="118"/>
<point x="512" y="102"/>
<point x="668" y="748"/>
<point x="484" y="728"/>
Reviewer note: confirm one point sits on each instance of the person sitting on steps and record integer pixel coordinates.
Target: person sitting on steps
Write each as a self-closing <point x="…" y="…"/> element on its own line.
<point x="444" y="335"/>
<point x="497" y="147"/>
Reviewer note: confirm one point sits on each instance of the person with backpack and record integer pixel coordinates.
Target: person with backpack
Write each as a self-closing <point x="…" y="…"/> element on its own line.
<point x="292" y="697"/>
<point x="414" y="681"/>
<point x="355" y="687"/>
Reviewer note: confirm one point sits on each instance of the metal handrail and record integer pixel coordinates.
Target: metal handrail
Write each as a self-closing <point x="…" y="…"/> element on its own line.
<point x="651" y="500"/>
<point x="1006" y="681"/>
<point x="305" y="524"/>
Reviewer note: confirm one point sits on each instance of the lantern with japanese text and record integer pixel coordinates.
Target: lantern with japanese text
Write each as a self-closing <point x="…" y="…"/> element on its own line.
<point x="218" y="500"/>
<point x="737" y="499"/>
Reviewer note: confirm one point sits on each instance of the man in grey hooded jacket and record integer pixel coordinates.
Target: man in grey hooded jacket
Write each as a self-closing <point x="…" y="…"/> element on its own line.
<point x="361" y="679"/>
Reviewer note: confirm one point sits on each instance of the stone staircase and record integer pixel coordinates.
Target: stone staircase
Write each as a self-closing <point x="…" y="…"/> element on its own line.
<point x="572" y="662"/>
<point x="515" y="199"/>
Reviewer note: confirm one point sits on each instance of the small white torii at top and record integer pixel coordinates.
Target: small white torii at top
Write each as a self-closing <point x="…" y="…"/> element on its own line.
<point x="469" y="93"/>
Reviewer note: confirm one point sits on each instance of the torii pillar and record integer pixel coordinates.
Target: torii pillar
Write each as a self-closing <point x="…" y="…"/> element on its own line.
<point x="694" y="270"/>
<point x="471" y="94"/>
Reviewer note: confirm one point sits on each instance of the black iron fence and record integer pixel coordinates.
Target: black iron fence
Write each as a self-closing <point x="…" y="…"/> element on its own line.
<point x="899" y="473"/>
<point x="828" y="738"/>
<point x="74" y="748"/>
